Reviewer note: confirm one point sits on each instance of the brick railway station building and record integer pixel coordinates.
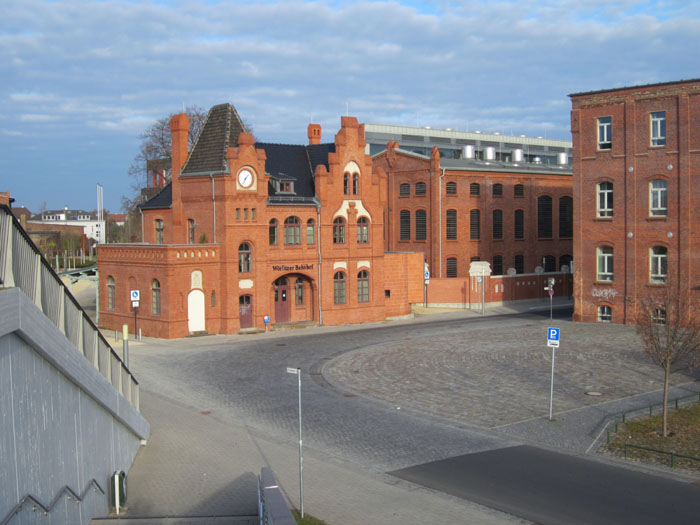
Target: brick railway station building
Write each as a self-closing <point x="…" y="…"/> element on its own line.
<point x="326" y="233"/>
<point x="636" y="155"/>
<point x="247" y="230"/>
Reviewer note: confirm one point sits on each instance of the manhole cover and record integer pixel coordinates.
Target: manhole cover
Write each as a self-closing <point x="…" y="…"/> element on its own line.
<point x="594" y="393"/>
<point x="349" y="395"/>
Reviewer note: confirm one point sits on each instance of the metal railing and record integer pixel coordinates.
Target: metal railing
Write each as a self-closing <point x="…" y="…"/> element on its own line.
<point x="674" y="455"/>
<point x="639" y="412"/>
<point x="22" y="265"/>
<point x="38" y="506"/>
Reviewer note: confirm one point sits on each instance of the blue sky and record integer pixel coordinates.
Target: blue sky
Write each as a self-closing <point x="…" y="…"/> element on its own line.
<point x="81" y="79"/>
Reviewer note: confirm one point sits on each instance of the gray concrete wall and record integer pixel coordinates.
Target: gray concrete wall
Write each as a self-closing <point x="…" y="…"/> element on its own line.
<point x="61" y="423"/>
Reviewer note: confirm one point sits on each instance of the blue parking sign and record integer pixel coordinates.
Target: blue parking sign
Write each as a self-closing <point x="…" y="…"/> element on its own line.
<point x="553" y="336"/>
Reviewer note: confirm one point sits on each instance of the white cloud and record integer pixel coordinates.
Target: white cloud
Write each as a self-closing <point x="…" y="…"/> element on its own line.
<point x="35" y="117"/>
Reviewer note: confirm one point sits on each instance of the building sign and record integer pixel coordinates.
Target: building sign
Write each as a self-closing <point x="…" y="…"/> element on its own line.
<point x="292" y="268"/>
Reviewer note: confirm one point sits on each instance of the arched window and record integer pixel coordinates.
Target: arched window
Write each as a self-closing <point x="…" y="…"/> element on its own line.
<point x="604" y="314"/>
<point x="451" y="225"/>
<point x="605" y="199"/>
<point x="190" y="231"/>
<point x="519" y="263"/>
<point x="111" y="293"/>
<point x="518" y="190"/>
<point x="273" y="232"/>
<point x="404" y="189"/>
<point x="338" y="230"/>
<point x="292" y="230"/>
<point x="420" y="188"/>
<point x="339" y="288"/>
<point x="346" y="184"/>
<point x="355" y="183"/>
<point x="159" y="231"/>
<point x="404" y="225"/>
<point x="566" y="217"/>
<point x="550" y="263"/>
<point x="658" y="264"/>
<point x="299" y="291"/>
<point x="420" y="225"/>
<point x="451" y="188"/>
<point x="475" y="224"/>
<point x="497" y="265"/>
<point x="605" y="263"/>
<point x="155" y="297"/>
<point x="244" y="258"/>
<point x="658" y="198"/>
<point x="363" y="230"/>
<point x="310" y="232"/>
<point x="497" y="190"/>
<point x="451" y="266"/>
<point x="474" y="188"/>
<point x="544" y="217"/>
<point x="519" y="224"/>
<point x="565" y="260"/>
<point x="363" y="287"/>
<point x="498" y="224"/>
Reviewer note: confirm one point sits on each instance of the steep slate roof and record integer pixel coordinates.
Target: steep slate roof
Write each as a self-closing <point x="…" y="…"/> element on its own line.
<point x="162" y="199"/>
<point x="284" y="161"/>
<point x="297" y="163"/>
<point x="220" y="130"/>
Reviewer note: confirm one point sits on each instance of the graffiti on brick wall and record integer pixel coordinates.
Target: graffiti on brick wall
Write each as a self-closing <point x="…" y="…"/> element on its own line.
<point x="605" y="293"/>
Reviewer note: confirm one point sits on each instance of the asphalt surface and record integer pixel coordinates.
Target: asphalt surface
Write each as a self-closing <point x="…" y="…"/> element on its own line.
<point x="357" y="430"/>
<point x="551" y="488"/>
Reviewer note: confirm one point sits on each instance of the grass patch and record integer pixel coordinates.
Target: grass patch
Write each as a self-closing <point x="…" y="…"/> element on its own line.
<point x="683" y="438"/>
<point x="308" y="520"/>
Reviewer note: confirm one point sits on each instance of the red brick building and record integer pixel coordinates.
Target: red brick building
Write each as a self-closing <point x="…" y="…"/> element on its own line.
<point x="247" y="230"/>
<point x="512" y="214"/>
<point x="636" y="154"/>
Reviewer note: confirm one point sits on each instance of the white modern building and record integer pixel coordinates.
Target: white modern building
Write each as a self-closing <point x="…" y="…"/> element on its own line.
<point x="92" y="226"/>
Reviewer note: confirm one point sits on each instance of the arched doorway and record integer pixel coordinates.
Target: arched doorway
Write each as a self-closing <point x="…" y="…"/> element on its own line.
<point x="195" y="311"/>
<point x="282" y="300"/>
<point x="245" y="310"/>
<point x="294" y="298"/>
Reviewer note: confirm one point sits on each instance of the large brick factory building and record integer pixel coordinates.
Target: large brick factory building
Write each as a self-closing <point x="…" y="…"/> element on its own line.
<point x="636" y="155"/>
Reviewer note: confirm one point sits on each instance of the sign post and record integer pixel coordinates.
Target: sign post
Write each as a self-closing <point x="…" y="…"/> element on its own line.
<point x="553" y="341"/>
<point x="297" y="371"/>
<point x="426" y="282"/>
<point x="550" y="289"/>
<point x="135" y="296"/>
<point x="267" y="321"/>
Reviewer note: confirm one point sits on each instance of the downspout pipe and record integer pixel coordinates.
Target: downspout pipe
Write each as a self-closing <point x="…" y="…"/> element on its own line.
<point x="143" y="238"/>
<point x="318" y="243"/>
<point x="440" y="222"/>
<point x="213" y="200"/>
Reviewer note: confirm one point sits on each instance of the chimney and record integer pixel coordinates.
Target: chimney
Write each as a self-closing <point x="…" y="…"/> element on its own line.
<point x="179" y="131"/>
<point x="314" y="133"/>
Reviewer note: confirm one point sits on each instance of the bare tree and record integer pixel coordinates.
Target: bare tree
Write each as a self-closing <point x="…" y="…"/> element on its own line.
<point x="669" y="324"/>
<point x="156" y="144"/>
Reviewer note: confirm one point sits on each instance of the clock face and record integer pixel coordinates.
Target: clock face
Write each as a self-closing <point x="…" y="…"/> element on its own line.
<point x="245" y="178"/>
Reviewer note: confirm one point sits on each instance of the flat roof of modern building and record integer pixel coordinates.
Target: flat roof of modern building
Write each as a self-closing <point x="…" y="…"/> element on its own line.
<point x="641" y="86"/>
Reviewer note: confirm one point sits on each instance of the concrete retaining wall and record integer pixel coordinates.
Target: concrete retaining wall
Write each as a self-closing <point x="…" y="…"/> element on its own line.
<point x="63" y="428"/>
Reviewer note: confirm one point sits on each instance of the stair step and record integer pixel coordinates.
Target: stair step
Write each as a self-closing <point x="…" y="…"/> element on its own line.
<point x="178" y="520"/>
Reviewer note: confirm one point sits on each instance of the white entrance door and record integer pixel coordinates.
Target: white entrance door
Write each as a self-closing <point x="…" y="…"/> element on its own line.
<point x="195" y="311"/>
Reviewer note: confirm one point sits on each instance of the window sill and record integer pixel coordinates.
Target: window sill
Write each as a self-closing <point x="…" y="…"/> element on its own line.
<point x="657" y="285"/>
<point x="602" y="219"/>
<point x="598" y="282"/>
<point x="654" y="218"/>
<point x="520" y="240"/>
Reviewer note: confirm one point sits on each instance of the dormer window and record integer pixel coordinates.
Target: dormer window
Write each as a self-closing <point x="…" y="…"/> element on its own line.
<point x="285" y="186"/>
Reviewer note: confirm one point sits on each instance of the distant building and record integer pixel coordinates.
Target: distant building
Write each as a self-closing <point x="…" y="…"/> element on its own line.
<point x="636" y="172"/>
<point x="470" y="145"/>
<point x="88" y="221"/>
<point x="512" y="213"/>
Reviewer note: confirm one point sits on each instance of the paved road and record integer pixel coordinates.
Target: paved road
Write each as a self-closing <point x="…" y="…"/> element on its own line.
<point x="551" y="488"/>
<point x="361" y="422"/>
